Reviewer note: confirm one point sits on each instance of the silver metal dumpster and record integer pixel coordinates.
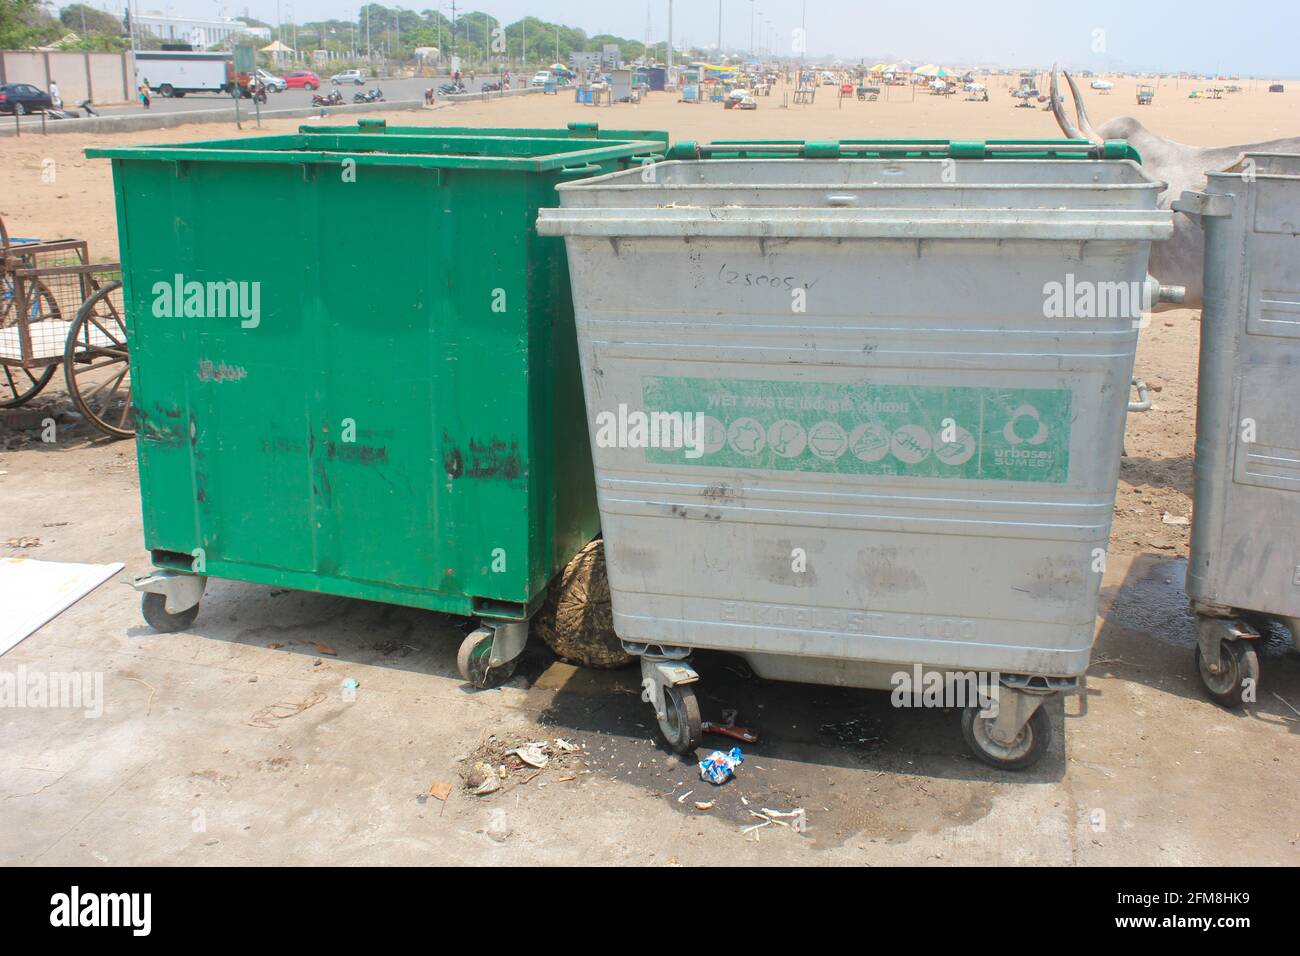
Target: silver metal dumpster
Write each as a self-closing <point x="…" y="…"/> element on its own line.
<point x="900" y="429"/>
<point x="1245" y="556"/>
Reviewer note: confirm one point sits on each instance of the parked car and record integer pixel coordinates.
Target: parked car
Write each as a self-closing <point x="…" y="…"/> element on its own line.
<point x="355" y="77"/>
<point x="302" y="80"/>
<point x="23" y="98"/>
<point x="276" y="84"/>
<point x="541" y="78"/>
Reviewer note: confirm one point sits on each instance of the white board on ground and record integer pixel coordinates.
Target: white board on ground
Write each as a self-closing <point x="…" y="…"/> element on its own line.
<point x="35" y="592"/>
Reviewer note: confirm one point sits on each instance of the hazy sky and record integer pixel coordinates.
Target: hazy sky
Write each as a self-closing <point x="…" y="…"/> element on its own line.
<point x="1258" y="36"/>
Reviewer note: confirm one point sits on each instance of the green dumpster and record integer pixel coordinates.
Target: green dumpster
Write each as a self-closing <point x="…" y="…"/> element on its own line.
<point x="354" y="370"/>
<point x="574" y="130"/>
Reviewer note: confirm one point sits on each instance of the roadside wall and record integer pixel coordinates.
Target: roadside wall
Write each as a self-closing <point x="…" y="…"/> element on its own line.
<point x="103" y="78"/>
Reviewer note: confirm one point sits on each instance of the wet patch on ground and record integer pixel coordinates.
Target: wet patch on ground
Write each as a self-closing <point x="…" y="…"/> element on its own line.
<point x="1151" y="601"/>
<point x="856" y="765"/>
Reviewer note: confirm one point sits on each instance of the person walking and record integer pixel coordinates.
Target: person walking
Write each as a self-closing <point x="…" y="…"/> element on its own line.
<point x="55" y="99"/>
<point x="145" y="93"/>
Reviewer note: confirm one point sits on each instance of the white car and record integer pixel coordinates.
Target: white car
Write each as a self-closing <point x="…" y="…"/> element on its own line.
<point x="541" y="78"/>
<point x="275" y="84"/>
<point x="355" y="77"/>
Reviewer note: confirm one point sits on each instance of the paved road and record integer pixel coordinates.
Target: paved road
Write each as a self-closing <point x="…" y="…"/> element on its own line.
<point x="394" y="89"/>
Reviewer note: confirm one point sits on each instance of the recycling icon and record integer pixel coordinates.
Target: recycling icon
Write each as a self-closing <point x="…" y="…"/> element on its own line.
<point x="1025" y="427"/>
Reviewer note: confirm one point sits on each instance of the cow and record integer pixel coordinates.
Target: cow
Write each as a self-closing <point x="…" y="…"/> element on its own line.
<point x="1177" y="260"/>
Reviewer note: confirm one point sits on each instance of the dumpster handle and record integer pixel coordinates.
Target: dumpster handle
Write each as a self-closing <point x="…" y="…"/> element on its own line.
<point x="1143" y="404"/>
<point x="587" y="169"/>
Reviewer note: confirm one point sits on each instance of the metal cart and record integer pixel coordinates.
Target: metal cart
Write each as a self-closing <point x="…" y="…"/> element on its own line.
<point x="900" y="461"/>
<point x="1244" y="567"/>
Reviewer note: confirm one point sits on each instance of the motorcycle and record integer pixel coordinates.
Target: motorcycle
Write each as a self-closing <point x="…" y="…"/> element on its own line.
<point x="491" y="87"/>
<point x="369" y="96"/>
<point x="333" y="98"/>
<point x="451" y="89"/>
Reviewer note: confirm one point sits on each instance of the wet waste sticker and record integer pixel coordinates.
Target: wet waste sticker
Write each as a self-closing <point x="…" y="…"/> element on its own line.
<point x="980" y="433"/>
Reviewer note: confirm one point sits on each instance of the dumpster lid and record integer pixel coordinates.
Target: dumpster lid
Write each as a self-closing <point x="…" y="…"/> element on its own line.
<point x="432" y="151"/>
<point x="905" y="149"/>
<point x="574" y="130"/>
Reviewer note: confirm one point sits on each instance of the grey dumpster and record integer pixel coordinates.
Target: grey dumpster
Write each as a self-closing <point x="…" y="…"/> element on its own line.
<point x="1245" y="556"/>
<point x="900" y="429"/>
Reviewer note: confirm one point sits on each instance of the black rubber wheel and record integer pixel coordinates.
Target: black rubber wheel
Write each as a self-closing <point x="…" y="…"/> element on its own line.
<point x="166" y="91"/>
<point x="472" y="662"/>
<point x="154" y="608"/>
<point x="1027" y="749"/>
<point x="308" y="87"/>
<point x="1240" y="663"/>
<point x="577" y="622"/>
<point x="681" y="723"/>
<point x="20" y="109"/>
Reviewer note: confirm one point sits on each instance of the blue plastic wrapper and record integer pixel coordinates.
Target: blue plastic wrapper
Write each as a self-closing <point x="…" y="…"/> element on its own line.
<point x="718" y="768"/>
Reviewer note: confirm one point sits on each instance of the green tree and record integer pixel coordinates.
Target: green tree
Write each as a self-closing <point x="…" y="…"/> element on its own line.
<point x="25" y="23"/>
<point x="86" y="21"/>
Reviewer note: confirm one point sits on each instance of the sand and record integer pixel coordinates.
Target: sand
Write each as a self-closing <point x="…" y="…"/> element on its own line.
<point x="1156" y="477"/>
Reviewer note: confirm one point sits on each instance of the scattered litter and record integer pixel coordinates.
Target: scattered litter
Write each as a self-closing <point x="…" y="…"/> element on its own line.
<point x="717" y="768"/>
<point x="532" y="754"/>
<point x="439" y="790"/>
<point x="267" y="716"/>
<point x="1167" y="518"/>
<point x="797" y="817"/>
<point x="23" y="543"/>
<point x="682" y="798"/>
<point x="351" y="683"/>
<point x="483" y="779"/>
<point x="499" y="764"/>
<point x="705" y="804"/>
<point x="728" y="728"/>
<point x="321" y="648"/>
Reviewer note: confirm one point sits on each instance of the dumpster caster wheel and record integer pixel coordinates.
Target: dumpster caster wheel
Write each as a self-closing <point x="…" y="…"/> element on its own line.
<point x="1025" y="751"/>
<point x="473" y="661"/>
<point x="154" y="608"/>
<point x="1240" y="670"/>
<point x="681" y="721"/>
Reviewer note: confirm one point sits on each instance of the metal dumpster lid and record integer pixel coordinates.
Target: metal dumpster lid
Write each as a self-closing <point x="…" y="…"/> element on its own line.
<point x="905" y="149"/>
<point x="433" y="151"/>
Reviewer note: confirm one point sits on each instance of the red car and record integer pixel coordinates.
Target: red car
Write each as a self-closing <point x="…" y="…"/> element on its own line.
<point x="302" y="80"/>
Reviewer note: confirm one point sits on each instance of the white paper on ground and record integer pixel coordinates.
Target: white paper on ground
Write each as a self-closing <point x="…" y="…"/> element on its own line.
<point x="35" y="592"/>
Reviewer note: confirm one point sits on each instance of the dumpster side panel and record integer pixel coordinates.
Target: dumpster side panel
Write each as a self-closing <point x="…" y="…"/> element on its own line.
<point x="828" y="516"/>
<point x="363" y="420"/>
<point x="1245" y="552"/>
<point x="564" y="509"/>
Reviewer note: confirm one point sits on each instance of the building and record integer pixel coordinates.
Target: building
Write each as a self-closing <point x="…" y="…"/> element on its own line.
<point x="199" y="31"/>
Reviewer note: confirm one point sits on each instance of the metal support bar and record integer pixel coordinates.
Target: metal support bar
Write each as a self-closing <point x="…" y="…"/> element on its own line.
<point x="1211" y="632"/>
<point x="508" y="640"/>
<point x="656" y="674"/>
